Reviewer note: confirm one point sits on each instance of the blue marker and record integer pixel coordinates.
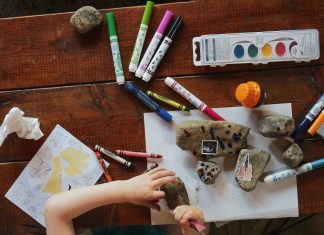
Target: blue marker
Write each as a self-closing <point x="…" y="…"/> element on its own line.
<point x="147" y="100"/>
<point x="306" y="122"/>
<point x="290" y="172"/>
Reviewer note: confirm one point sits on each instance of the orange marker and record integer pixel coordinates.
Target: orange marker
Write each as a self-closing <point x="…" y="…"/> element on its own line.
<point x="317" y="124"/>
<point x="250" y="94"/>
<point x="104" y="168"/>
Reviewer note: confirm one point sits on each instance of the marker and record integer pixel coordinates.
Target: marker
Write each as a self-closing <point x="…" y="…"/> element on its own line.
<point x="137" y="154"/>
<point x="104" y="168"/>
<point x="114" y="156"/>
<point x="306" y="122"/>
<point x="141" y="36"/>
<point x="170" y="82"/>
<point x="197" y="226"/>
<point x="162" y="49"/>
<point x="154" y="44"/>
<point x="168" y="101"/>
<point x="291" y="172"/>
<point x="115" y="48"/>
<point x="317" y="125"/>
<point x="147" y="100"/>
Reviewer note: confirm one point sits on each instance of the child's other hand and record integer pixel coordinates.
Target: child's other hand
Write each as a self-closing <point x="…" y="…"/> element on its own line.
<point x="143" y="189"/>
<point x="183" y="214"/>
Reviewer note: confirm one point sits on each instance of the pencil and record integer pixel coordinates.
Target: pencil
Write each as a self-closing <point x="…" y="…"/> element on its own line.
<point x="104" y="168"/>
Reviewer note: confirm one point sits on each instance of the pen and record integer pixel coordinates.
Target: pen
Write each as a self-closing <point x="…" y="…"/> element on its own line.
<point x="114" y="156"/>
<point x="137" y="154"/>
<point x="167" y="101"/>
<point x="306" y="122"/>
<point x="141" y="36"/>
<point x="162" y="49"/>
<point x="291" y="172"/>
<point x="148" y="101"/>
<point x="115" y="48"/>
<point x="170" y="82"/>
<point x="153" y="44"/>
<point x="104" y="168"/>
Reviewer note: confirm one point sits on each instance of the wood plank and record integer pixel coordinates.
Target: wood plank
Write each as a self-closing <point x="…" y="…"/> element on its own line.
<point x="45" y="51"/>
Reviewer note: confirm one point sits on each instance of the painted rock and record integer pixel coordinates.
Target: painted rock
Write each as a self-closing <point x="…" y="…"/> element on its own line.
<point x="208" y="171"/>
<point x="276" y="126"/>
<point x="293" y="155"/>
<point x="175" y="194"/>
<point x="85" y="19"/>
<point x="249" y="167"/>
<point x="211" y="138"/>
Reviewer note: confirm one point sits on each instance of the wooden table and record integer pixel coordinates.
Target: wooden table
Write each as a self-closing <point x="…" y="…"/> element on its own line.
<point x="52" y="73"/>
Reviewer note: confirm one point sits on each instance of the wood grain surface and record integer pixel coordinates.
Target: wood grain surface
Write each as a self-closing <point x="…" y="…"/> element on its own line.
<point x="52" y="73"/>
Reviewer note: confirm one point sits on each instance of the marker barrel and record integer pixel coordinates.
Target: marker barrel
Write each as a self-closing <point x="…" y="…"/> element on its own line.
<point x="113" y="156"/>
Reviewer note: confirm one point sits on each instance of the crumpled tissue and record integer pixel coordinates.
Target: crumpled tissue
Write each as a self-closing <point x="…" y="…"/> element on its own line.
<point x="25" y="127"/>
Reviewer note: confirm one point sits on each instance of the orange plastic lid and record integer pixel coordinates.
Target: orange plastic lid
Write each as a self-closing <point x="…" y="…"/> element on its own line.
<point x="248" y="94"/>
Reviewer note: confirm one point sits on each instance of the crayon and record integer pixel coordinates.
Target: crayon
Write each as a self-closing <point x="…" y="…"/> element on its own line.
<point x="141" y="37"/>
<point x="162" y="49"/>
<point x="114" y="156"/>
<point x="318" y="123"/>
<point x="167" y="101"/>
<point x="197" y="226"/>
<point x="137" y="154"/>
<point x="115" y="48"/>
<point x="170" y="82"/>
<point x="153" y="44"/>
<point x="104" y="168"/>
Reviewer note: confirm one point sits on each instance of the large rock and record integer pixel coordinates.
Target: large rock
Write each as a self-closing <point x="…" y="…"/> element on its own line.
<point x="249" y="167"/>
<point x="293" y="155"/>
<point x="85" y="19"/>
<point x="208" y="171"/>
<point x="231" y="137"/>
<point x="276" y="126"/>
<point x="175" y="194"/>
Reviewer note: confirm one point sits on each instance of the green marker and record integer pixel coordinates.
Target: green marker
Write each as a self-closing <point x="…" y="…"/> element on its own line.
<point x="141" y="37"/>
<point x="115" y="48"/>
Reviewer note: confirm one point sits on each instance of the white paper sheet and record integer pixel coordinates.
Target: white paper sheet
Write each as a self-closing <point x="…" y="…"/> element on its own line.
<point x="61" y="164"/>
<point x="224" y="200"/>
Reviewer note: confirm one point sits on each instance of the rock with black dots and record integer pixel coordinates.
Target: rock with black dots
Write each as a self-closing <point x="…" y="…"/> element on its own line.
<point x="175" y="193"/>
<point x="293" y="155"/>
<point x="85" y="19"/>
<point x="276" y="126"/>
<point x="249" y="167"/>
<point x="207" y="171"/>
<point x="229" y="138"/>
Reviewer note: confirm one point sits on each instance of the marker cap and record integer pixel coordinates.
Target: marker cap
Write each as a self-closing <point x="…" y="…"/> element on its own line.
<point x="175" y="27"/>
<point x="164" y="114"/>
<point x="169" y="81"/>
<point x="248" y="94"/>
<point x="111" y="24"/>
<point x="147" y="12"/>
<point x="165" y="21"/>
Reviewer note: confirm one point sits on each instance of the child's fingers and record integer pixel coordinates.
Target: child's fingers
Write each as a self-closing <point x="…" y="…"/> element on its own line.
<point x="162" y="181"/>
<point x="179" y="213"/>
<point x="156" y="169"/>
<point x="158" y="195"/>
<point x="161" y="174"/>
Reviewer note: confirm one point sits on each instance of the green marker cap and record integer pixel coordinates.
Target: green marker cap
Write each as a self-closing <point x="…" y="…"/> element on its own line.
<point x="147" y="13"/>
<point x="111" y="24"/>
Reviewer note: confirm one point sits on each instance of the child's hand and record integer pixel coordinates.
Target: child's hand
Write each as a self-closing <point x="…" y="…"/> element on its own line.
<point x="183" y="214"/>
<point x="143" y="189"/>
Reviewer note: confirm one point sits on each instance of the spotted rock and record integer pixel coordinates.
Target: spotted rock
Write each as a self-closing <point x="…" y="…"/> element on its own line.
<point x="85" y="19"/>
<point x="208" y="171"/>
<point x="293" y="155"/>
<point x="175" y="194"/>
<point x="276" y="126"/>
<point x="231" y="137"/>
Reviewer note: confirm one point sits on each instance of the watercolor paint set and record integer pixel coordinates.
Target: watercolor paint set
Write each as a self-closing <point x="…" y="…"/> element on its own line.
<point x="256" y="47"/>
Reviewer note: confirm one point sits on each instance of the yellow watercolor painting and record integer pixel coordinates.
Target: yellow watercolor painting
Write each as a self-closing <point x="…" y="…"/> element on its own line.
<point x="54" y="184"/>
<point x="76" y="160"/>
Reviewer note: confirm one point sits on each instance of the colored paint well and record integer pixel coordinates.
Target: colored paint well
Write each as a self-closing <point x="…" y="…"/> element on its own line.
<point x="239" y="51"/>
<point x="253" y="51"/>
<point x="280" y="49"/>
<point x="293" y="48"/>
<point x="267" y="50"/>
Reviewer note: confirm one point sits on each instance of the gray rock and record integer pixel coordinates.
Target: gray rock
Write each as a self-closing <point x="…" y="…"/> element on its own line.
<point x="293" y="155"/>
<point x="276" y="126"/>
<point x="175" y="194"/>
<point x="85" y="19"/>
<point x="207" y="171"/>
<point x="231" y="137"/>
<point x="257" y="160"/>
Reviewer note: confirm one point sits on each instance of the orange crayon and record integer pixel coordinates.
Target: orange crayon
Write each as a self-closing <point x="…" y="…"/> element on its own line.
<point x="104" y="168"/>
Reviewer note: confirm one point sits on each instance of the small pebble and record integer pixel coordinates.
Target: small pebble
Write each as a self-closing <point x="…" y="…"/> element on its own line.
<point x="293" y="155"/>
<point x="85" y="19"/>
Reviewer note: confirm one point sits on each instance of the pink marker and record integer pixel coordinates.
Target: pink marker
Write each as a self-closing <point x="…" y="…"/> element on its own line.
<point x="153" y="44"/>
<point x="197" y="226"/>
<point x="170" y="82"/>
<point x="137" y="154"/>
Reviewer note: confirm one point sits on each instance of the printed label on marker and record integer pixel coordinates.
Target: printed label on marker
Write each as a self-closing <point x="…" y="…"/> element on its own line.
<point x="116" y="56"/>
<point x="139" y="44"/>
<point x="244" y="170"/>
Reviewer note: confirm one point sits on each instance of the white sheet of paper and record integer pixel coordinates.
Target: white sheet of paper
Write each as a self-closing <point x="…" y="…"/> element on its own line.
<point x="224" y="200"/>
<point x="62" y="163"/>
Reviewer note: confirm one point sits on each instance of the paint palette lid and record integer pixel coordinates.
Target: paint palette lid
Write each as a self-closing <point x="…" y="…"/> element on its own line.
<point x="248" y="94"/>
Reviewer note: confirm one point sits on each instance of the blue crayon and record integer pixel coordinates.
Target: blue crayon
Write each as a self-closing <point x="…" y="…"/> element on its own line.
<point x="306" y="122"/>
<point x="148" y="101"/>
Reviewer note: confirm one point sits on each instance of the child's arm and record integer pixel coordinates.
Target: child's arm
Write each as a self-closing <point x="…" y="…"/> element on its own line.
<point x="183" y="214"/>
<point x="141" y="190"/>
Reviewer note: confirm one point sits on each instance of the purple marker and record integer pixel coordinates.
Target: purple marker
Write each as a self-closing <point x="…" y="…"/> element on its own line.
<point x="154" y="44"/>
